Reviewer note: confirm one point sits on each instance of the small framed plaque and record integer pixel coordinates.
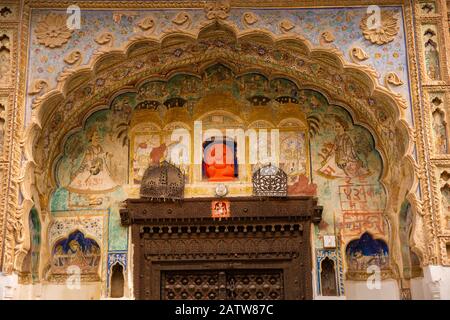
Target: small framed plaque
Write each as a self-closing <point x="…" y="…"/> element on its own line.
<point x="329" y="242"/>
<point x="220" y="209"/>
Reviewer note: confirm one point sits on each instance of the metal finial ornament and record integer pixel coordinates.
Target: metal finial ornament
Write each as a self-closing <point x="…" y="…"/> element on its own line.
<point x="221" y="190"/>
<point x="162" y="181"/>
<point x="269" y="181"/>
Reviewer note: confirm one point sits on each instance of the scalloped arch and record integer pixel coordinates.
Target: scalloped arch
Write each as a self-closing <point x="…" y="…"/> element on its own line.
<point x="355" y="90"/>
<point x="73" y="79"/>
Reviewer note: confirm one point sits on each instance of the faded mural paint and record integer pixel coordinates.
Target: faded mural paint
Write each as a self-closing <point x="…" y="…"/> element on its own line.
<point x="342" y="23"/>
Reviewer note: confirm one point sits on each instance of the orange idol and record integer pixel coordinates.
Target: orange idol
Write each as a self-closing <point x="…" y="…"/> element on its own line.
<point x="219" y="161"/>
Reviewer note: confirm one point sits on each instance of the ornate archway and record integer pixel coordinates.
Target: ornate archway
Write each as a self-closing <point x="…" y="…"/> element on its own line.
<point x="83" y="90"/>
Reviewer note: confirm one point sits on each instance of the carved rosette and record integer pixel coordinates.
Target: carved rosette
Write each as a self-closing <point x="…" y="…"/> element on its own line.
<point x="52" y="31"/>
<point x="105" y="38"/>
<point x="39" y="86"/>
<point x="286" y="25"/>
<point x="380" y="32"/>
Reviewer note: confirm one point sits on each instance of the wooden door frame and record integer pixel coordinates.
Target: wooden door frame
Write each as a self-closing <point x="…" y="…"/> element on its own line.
<point x="167" y="234"/>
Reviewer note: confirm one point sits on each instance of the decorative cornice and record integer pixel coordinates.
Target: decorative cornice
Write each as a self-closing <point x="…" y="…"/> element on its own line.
<point x="201" y="3"/>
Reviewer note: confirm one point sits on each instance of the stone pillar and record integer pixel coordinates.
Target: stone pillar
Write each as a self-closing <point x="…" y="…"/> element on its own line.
<point x="433" y="43"/>
<point x="13" y="35"/>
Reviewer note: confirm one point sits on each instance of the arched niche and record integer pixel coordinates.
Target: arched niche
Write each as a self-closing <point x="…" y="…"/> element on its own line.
<point x="440" y="133"/>
<point x="328" y="279"/>
<point x="364" y="253"/>
<point x="410" y="261"/>
<point x="309" y="123"/>
<point x="31" y="263"/>
<point x="117" y="281"/>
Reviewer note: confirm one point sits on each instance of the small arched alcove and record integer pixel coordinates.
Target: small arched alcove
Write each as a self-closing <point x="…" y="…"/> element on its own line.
<point x="117" y="281"/>
<point x="328" y="277"/>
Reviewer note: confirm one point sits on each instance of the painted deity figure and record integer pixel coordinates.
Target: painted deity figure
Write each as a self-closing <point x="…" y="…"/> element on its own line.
<point x="292" y="155"/>
<point x="57" y="257"/>
<point x="93" y="173"/>
<point x="178" y="154"/>
<point x="220" y="208"/>
<point x="219" y="162"/>
<point x="340" y="158"/>
<point x="77" y="256"/>
<point x="144" y="145"/>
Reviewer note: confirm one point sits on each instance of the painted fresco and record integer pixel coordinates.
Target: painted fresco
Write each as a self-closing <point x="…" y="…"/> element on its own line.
<point x="432" y="60"/>
<point x="76" y="250"/>
<point x="150" y="147"/>
<point x="178" y="151"/>
<point x="342" y="157"/>
<point x="94" y="158"/>
<point x="328" y="156"/>
<point x="343" y="24"/>
<point x="88" y="222"/>
<point x="146" y="147"/>
<point x="365" y="252"/>
<point x="94" y="165"/>
<point x="346" y="169"/>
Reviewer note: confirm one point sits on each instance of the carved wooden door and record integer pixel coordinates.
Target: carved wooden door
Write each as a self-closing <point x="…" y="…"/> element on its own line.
<point x="222" y="285"/>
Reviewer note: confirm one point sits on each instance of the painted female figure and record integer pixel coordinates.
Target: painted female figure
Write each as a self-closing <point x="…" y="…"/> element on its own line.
<point x="93" y="173"/>
<point x="76" y="253"/>
<point x="346" y="162"/>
